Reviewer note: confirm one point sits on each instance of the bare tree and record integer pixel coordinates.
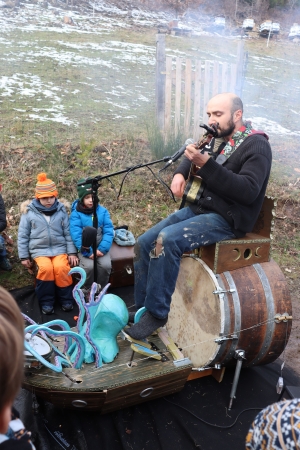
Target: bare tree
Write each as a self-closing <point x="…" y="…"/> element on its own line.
<point x="293" y="3"/>
<point x="180" y="6"/>
<point x="260" y="8"/>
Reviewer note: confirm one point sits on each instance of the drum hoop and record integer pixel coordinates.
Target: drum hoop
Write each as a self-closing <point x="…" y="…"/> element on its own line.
<point x="216" y="281"/>
<point x="269" y="295"/>
<point x="226" y="328"/>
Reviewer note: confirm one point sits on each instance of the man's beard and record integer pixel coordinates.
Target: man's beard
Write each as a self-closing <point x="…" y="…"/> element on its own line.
<point x="228" y="130"/>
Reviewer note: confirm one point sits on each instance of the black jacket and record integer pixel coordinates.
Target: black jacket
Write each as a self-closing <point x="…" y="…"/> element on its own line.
<point x="2" y="215"/>
<point x="236" y="189"/>
<point x="15" y="444"/>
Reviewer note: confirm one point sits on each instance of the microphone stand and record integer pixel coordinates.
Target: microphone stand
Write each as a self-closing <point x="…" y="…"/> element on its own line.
<point x="95" y="182"/>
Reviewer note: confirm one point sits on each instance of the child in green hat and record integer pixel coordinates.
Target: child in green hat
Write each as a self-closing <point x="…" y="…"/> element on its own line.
<point x="82" y="217"/>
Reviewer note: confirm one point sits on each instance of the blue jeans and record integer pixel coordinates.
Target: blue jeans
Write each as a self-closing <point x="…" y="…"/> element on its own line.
<point x="156" y="276"/>
<point x="2" y="248"/>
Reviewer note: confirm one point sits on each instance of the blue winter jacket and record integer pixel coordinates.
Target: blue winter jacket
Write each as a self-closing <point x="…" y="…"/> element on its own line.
<point x="79" y="220"/>
<point x="37" y="237"/>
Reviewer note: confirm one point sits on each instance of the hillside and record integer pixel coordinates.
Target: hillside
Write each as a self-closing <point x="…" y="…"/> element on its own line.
<point x="77" y="91"/>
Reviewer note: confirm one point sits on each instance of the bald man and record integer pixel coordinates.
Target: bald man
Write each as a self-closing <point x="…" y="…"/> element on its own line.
<point x="234" y="182"/>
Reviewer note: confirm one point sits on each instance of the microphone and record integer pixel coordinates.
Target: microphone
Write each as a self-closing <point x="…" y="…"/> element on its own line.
<point x="213" y="130"/>
<point x="179" y="152"/>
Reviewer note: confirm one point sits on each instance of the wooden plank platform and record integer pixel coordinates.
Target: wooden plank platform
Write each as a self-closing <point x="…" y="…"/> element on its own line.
<point x="113" y="386"/>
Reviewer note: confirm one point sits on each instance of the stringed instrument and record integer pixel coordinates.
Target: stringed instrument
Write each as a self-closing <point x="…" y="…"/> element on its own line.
<point x="194" y="186"/>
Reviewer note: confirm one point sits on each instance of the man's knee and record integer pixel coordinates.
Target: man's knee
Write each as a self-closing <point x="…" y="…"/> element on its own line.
<point x="144" y="243"/>
<point x="159" y="247"/>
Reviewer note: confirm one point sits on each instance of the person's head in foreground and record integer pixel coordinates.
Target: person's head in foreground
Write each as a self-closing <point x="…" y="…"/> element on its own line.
<point x="11" y="355"/>
<point x="276" y="427"/>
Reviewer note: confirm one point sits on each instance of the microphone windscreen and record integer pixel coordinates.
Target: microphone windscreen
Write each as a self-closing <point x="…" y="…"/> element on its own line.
<point x="189" y="141"/>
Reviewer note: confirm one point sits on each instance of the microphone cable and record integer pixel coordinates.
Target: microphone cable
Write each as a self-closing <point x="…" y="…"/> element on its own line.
<point x="224" y="427"/>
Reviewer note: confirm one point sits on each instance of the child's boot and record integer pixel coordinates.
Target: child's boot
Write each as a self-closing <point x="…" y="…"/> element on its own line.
<point x="5" y="264"/>
<point x="47" y="309"/>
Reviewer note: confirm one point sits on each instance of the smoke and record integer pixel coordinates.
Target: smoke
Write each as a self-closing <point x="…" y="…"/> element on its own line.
<point x="97" y="75"/>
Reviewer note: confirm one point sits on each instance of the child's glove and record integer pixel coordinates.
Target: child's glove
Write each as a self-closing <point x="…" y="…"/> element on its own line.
<point x="85" y="251"/>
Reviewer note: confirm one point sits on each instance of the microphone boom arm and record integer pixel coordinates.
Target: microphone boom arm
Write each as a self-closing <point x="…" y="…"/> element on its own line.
<point x="99" y="178"/>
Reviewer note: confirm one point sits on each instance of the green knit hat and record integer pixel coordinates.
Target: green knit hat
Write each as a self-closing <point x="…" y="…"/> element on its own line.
<point x="83" y="189"/>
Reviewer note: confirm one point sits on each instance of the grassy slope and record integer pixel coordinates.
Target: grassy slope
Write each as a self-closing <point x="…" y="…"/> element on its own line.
<point x="108" y="145"/>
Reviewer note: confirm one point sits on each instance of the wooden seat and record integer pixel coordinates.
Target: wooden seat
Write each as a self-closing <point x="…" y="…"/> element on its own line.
<point x="122" y="265"/>
<point x="253" y="248"/>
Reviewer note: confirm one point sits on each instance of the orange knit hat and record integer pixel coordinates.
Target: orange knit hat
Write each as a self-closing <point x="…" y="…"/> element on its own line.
<point x="45" y="187"/>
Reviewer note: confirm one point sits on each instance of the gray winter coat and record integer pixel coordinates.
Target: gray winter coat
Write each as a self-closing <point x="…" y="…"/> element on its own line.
<point x="37" y="237"/>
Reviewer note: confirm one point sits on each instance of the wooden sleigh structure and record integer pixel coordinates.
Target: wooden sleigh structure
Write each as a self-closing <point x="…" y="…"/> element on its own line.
<point x="231" y="306"/>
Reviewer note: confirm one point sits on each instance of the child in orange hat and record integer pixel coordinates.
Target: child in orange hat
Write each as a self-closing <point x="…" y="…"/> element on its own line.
<point x="44" y="237"/>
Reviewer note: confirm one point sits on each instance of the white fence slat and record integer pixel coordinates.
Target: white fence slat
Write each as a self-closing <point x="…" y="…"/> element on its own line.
<point x="206" y="90"/>
<point x="178" y="95"/>
<point x="232" y="80"/>
<point x="187" y="96"/>
<point x="216" y="79"/>
<point x="224" y="77"/>
<point x="197" y="99"/>
<point x="183" y="113"/>
<point x="168" y="96"/>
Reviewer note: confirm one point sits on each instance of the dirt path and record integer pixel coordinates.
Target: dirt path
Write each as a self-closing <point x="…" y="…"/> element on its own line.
<point x="285" y="245"/>
<point x="292" y="350"/>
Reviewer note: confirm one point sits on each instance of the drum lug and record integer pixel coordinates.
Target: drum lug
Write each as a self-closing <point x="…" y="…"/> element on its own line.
<point x="240" y="354"/>
<point x="222" y="339"/>
<point x="282" y="317"/>
<point x="224" y="291"/>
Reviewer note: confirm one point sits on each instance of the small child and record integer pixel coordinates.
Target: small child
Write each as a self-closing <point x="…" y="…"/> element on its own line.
<point x="12" y="432"/>
<point x="44" y="236"/>
<point x="81" y="217"/>
<point x="4" y="262"/>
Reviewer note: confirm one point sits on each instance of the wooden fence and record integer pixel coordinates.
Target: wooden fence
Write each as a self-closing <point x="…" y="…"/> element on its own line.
<point x="183" y="88"/>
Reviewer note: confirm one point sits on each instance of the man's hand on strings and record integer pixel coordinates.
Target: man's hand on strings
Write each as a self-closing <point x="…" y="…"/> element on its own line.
<point x="194" y="155"/>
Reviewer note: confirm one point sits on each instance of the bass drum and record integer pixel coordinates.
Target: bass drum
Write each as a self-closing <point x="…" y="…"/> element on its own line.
<point x="212" y="315"/>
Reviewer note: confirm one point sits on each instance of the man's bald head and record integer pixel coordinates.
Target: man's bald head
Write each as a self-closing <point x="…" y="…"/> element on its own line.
<point x="234" y="102"/>
<point x="226" y="112"/>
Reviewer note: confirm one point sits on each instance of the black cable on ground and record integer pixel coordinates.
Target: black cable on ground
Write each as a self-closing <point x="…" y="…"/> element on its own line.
<point x="213" y="424"/>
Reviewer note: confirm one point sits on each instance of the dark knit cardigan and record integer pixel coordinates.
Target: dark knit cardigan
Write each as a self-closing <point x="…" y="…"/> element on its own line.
<point x="236" y="189"/>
